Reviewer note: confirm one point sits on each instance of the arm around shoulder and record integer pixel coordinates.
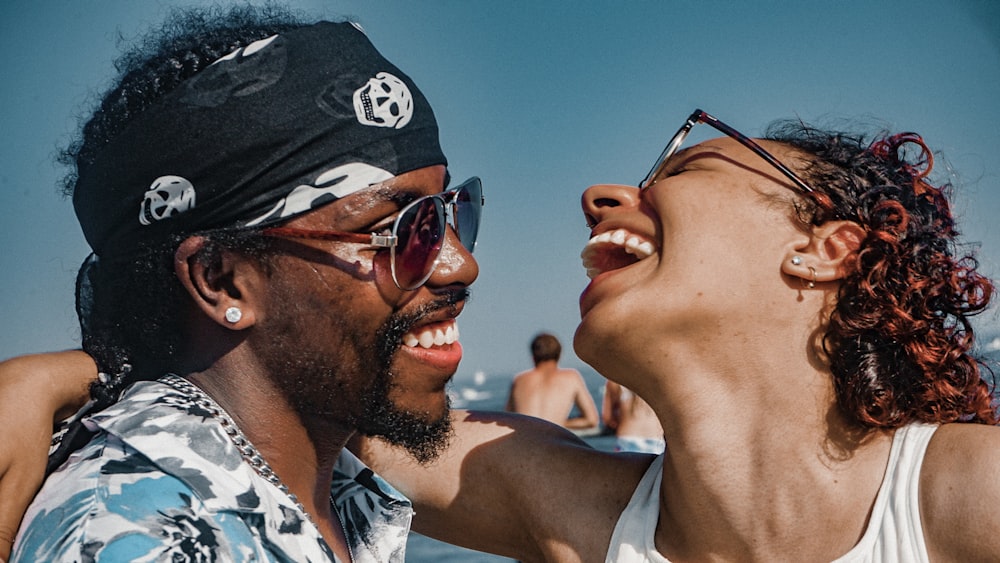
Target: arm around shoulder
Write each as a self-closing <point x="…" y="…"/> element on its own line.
<point x="504" y="483"/>
<point x="49" y="387"/>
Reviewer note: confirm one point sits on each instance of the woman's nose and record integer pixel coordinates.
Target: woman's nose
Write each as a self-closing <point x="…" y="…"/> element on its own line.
<point x="599" y="201"/>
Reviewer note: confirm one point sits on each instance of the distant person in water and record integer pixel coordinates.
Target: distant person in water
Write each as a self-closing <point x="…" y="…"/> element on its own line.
<point x="635" y="424"/>
<point x="549" y="392"/>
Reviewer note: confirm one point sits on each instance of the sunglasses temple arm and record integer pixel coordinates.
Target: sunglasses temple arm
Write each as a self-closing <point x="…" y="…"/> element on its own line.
<point x="750" y="144"/>
<point x="383" y="241"/>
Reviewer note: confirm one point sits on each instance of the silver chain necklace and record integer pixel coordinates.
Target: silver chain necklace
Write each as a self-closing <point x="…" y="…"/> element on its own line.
<point x="243" y="445"/>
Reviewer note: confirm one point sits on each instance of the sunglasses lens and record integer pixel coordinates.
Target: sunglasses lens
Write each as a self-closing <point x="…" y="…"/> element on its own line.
<point x="468" y="211"/>
<point x="420" y="232"/>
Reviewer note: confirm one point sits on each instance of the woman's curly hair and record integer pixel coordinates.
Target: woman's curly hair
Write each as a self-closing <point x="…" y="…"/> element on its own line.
<point x="899" y="339"/>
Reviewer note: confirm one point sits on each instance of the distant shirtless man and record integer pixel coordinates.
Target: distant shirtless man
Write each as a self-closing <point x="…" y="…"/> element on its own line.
<point x="549" y="392"/>
<point x="635" y="424"/>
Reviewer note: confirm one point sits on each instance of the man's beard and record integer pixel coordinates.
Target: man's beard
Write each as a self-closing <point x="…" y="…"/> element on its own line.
<point x="421" y="436"/>
<point x="315" y="387"/>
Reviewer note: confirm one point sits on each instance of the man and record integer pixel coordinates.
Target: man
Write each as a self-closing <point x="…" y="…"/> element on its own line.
<point x="273" y="270"/>
<point x="550" y="392"/>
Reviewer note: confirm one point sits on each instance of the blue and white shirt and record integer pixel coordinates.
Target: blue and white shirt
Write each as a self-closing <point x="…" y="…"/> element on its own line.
<point x="162" y="481"/>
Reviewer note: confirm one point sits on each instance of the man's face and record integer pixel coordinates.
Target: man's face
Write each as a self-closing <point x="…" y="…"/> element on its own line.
<point x="344" y="343"/>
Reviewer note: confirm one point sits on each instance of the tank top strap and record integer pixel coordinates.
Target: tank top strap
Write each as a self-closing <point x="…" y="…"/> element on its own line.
<point x="894" y="531"/>
<point x="633" y="538"/>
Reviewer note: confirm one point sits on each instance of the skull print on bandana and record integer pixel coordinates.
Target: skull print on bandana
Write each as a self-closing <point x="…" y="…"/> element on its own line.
<point x="277" y="128"/>
<point x="168" y="195"/>
<point x="384" y="101"/>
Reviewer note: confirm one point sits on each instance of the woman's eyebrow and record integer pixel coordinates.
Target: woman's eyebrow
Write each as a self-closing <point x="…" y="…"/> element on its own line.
<point x="684" y="157"/>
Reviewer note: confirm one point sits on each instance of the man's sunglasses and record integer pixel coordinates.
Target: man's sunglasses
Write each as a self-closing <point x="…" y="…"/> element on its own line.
<point x="701" y="117"/>
<point x="417" y="233"/>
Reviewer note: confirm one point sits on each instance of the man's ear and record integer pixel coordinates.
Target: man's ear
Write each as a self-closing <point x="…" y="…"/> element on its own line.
<point x="218" y="281"/>
<point x="823" y="257"/>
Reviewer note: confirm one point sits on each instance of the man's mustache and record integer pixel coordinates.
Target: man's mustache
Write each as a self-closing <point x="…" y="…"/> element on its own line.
<point x="390" y="335"/>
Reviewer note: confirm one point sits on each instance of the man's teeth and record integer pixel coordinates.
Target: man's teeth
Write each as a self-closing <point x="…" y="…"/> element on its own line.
<point x="621" y="238"/>
<point x="427" y="337"/>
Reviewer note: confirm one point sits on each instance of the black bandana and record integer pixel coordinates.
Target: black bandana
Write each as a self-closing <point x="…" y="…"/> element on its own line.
<point x="282" y="126"/>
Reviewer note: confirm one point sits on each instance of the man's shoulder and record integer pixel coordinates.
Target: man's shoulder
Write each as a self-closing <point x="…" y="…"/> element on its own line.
<point x="131" y="515"/>
<point x="569" y="374"/>
<point x="526" y="374"/>
<point x="527" y="379"/>
<point x="175" y="486"/>
<point x="106" y="492"/>
<point x="108" y="475"/>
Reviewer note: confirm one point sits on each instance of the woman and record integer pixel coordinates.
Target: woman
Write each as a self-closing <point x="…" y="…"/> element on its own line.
<point x="795" y="312"/>
<point x="801" y="326"/>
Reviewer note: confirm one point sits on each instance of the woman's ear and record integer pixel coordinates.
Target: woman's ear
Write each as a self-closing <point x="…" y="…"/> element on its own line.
<point x="217" y="281"/>
<point x="824" y="257"/>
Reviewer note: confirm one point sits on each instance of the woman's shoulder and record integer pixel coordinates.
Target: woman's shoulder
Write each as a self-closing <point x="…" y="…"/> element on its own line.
<point x="963" y="450"/>
<point x="960" y="490"/>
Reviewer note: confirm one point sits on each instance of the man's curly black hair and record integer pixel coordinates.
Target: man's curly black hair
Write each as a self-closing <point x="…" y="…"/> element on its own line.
<point x="129" y="311"/>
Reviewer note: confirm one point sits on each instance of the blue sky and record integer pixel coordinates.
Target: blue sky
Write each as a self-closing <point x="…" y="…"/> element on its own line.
<point x="540" y="99"/>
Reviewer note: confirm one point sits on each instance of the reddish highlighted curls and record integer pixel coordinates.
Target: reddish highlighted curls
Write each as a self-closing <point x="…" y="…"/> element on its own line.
<point x="899" y="339"/>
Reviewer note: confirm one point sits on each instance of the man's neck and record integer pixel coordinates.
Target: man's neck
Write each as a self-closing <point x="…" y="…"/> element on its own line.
<point x="301" y="451"/>
<point x="547" y="366"/>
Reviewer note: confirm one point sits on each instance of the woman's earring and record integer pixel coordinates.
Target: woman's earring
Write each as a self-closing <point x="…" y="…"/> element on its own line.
<point x="796" y="260"/>
<point x="812" y="282"/>
<point x="233" y="315"/>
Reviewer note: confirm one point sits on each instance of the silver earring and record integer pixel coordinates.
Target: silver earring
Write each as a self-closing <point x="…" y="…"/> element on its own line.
<point x="233" y="314"/>
<point x="796" y="260"/>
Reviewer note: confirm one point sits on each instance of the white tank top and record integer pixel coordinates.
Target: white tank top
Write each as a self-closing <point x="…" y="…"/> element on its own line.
<point x="894" y="533"/>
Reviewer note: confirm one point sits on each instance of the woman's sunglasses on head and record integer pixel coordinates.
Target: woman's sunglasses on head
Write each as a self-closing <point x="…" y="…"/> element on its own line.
<point x="418" y="232"/>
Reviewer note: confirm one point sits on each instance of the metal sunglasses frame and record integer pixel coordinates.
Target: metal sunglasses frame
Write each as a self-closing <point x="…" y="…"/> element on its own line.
<point x="699" y="116"/>
<point x="447" y="198"/>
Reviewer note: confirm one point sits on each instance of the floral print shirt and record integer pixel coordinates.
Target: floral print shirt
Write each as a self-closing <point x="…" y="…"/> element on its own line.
<point x="162" y="481"/>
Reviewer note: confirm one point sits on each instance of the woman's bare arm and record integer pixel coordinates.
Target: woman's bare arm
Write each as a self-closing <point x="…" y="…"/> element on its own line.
<point x="36" y="391"/>
<point x="505" y="482"/>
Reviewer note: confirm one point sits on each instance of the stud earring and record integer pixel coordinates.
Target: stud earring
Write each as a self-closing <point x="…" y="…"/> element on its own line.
<point x="796" y="260"/>
<point x="233" y="315"/>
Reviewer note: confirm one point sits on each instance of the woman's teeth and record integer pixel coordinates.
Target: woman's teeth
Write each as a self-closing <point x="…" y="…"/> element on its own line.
<point x="426" y="337"/>
<point x="620" y="238"/>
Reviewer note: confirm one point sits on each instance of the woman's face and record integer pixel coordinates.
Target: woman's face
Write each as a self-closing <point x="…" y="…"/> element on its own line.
<point x="694" y="257"/>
